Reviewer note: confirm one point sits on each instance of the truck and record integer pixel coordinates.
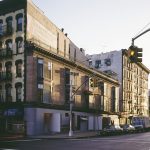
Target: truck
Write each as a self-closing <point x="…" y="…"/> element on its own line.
<point x="141" y="123"/>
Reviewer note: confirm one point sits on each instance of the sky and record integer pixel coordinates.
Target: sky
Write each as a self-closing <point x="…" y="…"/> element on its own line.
<point x="102" y="25"/>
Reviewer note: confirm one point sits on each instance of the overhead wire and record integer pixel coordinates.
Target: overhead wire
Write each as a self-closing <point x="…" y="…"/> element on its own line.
<point x="142" y="29"/>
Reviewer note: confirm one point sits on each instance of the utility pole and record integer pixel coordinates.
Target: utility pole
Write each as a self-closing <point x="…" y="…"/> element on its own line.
<point x="71" y="104"/>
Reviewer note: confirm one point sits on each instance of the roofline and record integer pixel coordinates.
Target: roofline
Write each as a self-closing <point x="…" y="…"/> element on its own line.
<point x="91" y="71"/>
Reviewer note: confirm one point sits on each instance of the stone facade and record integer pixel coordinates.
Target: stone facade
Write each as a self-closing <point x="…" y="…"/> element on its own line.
<point x="48" y="71"/>
<point x="133" y="79"/>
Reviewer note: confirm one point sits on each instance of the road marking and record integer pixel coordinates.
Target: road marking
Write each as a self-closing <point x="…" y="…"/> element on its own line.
<point x="113" y="140"/>
<point x="7" y="149"/>
<point x="30" y="140"/>
<point x="119" y="141"/>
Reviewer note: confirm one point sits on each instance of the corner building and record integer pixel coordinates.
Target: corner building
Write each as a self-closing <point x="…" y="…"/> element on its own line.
<point x="133" y="79"/>
<point x="41" y="70"/>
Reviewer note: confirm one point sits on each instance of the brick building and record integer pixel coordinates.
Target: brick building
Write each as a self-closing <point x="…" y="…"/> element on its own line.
<point x="41" y="69"/>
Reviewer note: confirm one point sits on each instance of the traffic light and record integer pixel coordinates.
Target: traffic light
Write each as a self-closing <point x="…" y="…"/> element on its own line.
<point x="135" y="54"/>
<point x="91" y="82"/>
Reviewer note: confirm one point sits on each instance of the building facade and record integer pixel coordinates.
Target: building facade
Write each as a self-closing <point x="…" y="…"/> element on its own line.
<point x="133" y="78"/>
<point x="41" y="70"/>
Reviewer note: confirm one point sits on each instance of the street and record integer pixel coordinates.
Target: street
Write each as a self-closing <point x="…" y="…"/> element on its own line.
<point x="140" y="141"/>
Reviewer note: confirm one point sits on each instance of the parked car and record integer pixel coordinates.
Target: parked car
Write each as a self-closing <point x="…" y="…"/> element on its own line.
<point x="139" y="127"/>
<point x="112" y="130"/>
<point x="128" y="128"/>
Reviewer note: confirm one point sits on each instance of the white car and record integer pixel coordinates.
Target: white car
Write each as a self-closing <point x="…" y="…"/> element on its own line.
<point x="128" y="127"/>
<point x="113" y="128"/>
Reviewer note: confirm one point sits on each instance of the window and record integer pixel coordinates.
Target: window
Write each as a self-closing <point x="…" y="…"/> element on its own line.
<point x="108" y="61"/>
<point x="19" y="45"/>
<point x="97" y="63"/>
<point x="18" y="68"/>
<point x="19" y="18"/>
<point x="90" y="62"/>
<point x="75" y="55"/>
<point x="0" y="67"/>
<point x="40" y="69"/>
<point x="67" y="84"/>
<point x="8" y="44"/>
<point x="64" y="48"/>
<point x="8" y="92"/>
<point x="57" y="42"/>
<point x="1" y="44"/>
<point x="9" y="24"/>
<point x="18" y="87"/>
<point x="50" y="70"/>
<point x="40" y="93"/>
<point x="69" y="51"/>
<point x="1" y="27"/>
<point x="113" y="99"/>
<point x="8" y="74"/>
<point x="1" y="94"/>
<point x="8" y="66"/>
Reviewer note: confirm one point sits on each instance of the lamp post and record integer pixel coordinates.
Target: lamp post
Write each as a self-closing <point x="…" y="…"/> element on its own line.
<point x="72" y="101"/>
<point x="71" y="104"/>
<point x="72" y="97"/>
<point x="70" y="131"/>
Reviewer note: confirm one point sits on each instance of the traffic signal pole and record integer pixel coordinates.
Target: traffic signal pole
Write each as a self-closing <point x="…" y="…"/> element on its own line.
<point x="135" y="53"/>
<point x="133" y="39"/>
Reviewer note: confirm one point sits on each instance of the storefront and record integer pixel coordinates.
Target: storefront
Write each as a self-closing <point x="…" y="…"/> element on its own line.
<point x="12" y="121"/>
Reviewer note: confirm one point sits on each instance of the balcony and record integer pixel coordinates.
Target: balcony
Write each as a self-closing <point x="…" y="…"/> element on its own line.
<point x="87" y="92"/>
<point x="5" y="76"/>
<point x="6" y="31"/>
<point x="5" y="54"/>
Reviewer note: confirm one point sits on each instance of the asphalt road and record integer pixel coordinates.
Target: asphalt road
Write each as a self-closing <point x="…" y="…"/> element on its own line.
<point x="140" y="141"/>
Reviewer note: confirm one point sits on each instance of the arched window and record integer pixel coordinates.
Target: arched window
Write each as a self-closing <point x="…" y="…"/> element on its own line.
<point x="18" y="87"/>
<point x="8" y="44"/>
<point x="8" y="66"/>
<point x="0" y="67"/>
<point x="1" y="94"/>
<point x="19" y="45"/>
<point x="18" y="64"/>
<point x="1" y="45"/>
<point x="8" y="92"/>
<point x="19" y="18"/>
<point x="1" y="27"/>
<point x="9" y="24"/>
<point x="1" y="73"/>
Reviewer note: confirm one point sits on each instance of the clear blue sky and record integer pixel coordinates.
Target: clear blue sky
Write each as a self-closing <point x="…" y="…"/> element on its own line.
<point x="101" y="25"/>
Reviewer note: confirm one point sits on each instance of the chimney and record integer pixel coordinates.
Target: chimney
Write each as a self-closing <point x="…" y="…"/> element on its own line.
<point x="62" y="29"/>
<point x="66" y="34"/>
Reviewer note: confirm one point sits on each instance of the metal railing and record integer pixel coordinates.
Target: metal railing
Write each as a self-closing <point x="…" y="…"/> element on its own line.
<point x="6" y="30"/>
<point x="5" y="76"/>
<point x="6" y="53"/>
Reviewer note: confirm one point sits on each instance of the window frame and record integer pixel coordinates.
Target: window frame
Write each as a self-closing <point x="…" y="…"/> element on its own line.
<point x="19" y="65"/>
<point x="19" y="26"/>
<point x="18" y="87"/>
<point x="19" y="49"/>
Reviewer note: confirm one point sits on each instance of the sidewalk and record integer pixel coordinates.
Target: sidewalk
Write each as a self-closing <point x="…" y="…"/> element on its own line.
<point x="76" y="135"/>
<point x="11" y="137"/>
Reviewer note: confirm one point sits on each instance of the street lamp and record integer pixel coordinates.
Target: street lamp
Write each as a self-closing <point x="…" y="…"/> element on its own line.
<point x="72" y="101"/>
<point x="71" y="104"/>
<point x="70" y="131"/>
